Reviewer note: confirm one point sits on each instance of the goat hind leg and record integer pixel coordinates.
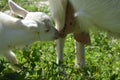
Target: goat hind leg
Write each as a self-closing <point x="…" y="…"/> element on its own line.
<point x="80" y="55"/>
<point x="81" y="38"/>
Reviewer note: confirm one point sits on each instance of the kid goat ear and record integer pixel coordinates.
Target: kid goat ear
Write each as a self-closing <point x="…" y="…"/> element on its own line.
<point x="17" y="9"/>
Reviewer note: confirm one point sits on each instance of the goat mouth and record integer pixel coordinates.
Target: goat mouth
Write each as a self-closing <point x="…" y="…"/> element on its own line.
<point x="56" y="34"/>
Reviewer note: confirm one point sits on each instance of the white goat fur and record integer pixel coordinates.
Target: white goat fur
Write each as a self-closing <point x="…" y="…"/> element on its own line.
<point x="58" y="10"/>
<point x="100" y="14"/>
<point x="16" y="32"/>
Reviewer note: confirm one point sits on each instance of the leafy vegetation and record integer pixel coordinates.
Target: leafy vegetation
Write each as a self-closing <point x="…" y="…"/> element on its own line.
<point x="39" y="62"/>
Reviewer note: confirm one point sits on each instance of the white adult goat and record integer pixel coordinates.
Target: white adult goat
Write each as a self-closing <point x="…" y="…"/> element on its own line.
<point x="88" y="14"/>
<point x="16" y="32"/>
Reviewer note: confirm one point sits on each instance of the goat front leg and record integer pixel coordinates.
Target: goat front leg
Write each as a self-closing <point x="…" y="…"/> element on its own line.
<point x="58" y="9"/>
<point x="11" y="57"/>
<point x="59" y="50"/>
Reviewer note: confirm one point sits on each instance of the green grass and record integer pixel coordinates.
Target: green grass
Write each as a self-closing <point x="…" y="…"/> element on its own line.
<point x="39" y="62"/>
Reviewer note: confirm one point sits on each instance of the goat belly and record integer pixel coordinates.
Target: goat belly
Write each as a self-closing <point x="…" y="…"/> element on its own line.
<point x="102" y="14"/>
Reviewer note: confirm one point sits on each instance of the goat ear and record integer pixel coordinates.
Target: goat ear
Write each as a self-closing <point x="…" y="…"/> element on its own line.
<point x="17" y="9"/>
<point x="30" y="24"/>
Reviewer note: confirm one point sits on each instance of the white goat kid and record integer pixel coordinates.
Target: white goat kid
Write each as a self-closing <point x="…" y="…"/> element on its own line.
<point x="89" y="14"/>
<point x="16" y="32"/>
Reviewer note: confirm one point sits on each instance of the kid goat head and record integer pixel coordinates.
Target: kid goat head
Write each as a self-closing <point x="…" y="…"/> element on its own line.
<point x="37" y="21"/>
<point x="16" y="32"/>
